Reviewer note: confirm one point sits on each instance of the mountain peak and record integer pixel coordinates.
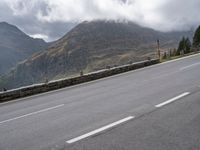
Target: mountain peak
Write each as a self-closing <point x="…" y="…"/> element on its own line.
<point x="5" y="25"/>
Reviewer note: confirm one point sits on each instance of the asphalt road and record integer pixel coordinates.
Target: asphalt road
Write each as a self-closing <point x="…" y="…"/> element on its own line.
<point x="152" y="108"/>
<point x="173" y="127"/>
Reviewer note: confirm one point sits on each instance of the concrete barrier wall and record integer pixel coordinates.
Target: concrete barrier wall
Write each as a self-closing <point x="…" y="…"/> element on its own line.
<point x="53" y="85"/>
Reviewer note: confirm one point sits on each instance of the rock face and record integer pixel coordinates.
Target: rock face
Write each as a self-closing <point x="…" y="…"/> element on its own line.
<point x="91" y="46"/>
<point x="16" y="46"/>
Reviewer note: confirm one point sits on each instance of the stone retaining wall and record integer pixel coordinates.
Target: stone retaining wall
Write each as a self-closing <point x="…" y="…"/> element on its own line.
<point x="53" y="85"/>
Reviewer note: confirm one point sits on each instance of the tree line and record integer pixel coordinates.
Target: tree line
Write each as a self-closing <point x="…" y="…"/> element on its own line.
<point x="186" y="46"/>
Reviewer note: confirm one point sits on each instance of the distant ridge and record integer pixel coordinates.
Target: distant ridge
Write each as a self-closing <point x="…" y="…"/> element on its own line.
<point x="16" y="46"/>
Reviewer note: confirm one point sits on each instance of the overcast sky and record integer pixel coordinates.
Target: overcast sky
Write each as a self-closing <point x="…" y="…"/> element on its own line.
<point x="51" y="19"/>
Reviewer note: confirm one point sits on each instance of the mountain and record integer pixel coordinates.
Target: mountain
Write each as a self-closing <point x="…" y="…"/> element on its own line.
<point x="91" y="46"/>
<point x="16" y="46"/>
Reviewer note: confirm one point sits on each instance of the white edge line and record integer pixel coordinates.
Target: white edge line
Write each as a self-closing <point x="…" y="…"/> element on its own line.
<point x="94" y="81"/>
<point x="172" y="100"/>
<point x="100" y="130"/>
<point x="184" y="57"/>
<point x="30" y="114"/>
<point x="193" y="65"/>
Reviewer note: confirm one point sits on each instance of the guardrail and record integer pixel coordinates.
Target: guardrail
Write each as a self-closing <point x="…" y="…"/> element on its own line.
<point x="61" y="83"/>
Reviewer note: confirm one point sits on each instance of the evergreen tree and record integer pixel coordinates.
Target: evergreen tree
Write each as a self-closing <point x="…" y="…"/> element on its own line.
<point x="170" y="52"/>
<point x="196" y="38"/>
<point x="174" y="52"/>
<point x="165" y="55"/>
<point x="187" y="45"/>
<point x="184" y="46"/>
<point x="181" y="46"/>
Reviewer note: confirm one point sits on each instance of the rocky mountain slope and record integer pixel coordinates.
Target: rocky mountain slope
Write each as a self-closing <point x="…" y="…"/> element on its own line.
<point x="91" y="46"/>
<point x="16" y="46"/>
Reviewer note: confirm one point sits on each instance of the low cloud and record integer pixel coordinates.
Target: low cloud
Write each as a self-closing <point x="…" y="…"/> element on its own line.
<point x="53" y="18"/>
<point x="40" y="36"/>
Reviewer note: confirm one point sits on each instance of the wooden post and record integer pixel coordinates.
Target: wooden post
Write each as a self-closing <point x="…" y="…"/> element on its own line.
<point x="159" y="55"/>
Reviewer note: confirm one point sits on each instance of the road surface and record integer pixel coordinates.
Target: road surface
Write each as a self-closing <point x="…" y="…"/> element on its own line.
<point x="151" y="108"/>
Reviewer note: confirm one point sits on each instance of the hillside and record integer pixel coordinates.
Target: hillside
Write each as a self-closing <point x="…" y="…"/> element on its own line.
<point x="16" y="46"/>
<point x="91" y="46"/>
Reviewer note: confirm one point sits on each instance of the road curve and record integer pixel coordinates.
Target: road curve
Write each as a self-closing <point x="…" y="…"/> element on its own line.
<point x="49" y="120"/>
